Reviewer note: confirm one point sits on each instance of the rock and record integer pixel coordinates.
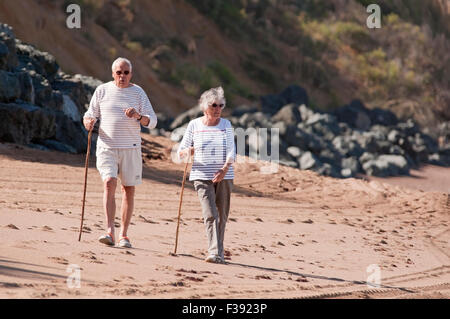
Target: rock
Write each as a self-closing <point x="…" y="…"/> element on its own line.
<point x="294" y="151"/>
<point x="23" y="123"/>
<point x="383" y="117"/>
<point x="9" y="87"/>
<point x="76" y="90"/>
<point x="386" y="165"/>
<point x="43" y="63"/>
<point x="282" y="128"/>
<point x="164" y="121"/>
<point x="327" y="169"/>
<point x="243" y="109"/>
<point x="347" y="146"/>
<point x="272" y="103"/>
<point x="254" y="120"/>
<point x="71" y="133"/>
<point x="185" y="117"/>
<point x="70" y="109"/>
<point x="8" y="56"/>
<point x="352" y="164"/>
<point x="289" y="114"/>
<point x="295" y="94"/>
<point x="325" y="125"/>
<point x="305" y="141"/>
<point x="178" y="133"/>
<point x="309" y="161"/>
<point x="305" y="112"/>
<point x="356" y="115"/>
<point x="26" y="87"/>
<point x="58" y="146"/>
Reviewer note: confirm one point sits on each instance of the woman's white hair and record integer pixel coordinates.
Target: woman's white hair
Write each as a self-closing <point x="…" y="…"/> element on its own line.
<point x="210" y="96"/>
<point x="118" y="61"/>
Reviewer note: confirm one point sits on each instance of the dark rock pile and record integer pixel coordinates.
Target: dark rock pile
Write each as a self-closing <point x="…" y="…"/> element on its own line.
<point x="344" y="143"/>
<point x="40" y="106"/>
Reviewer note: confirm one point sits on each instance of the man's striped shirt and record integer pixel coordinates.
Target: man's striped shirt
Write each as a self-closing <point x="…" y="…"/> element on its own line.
<point x="213" y="145"/>
<point x="108" y="104"/>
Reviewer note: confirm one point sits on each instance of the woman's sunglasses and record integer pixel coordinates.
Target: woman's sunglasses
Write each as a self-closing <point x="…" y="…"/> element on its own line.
<point x="124" y="72"/>
<point x="217" y="105"/>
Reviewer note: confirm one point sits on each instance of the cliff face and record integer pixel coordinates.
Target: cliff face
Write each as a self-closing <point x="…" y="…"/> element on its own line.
<point x="255" y="48"/>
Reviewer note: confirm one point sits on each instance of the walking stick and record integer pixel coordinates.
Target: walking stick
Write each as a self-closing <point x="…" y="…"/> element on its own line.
<point x="181" y="200"/>
<point x="86" y="165"/>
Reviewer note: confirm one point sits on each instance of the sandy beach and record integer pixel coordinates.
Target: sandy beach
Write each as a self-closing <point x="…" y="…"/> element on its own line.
<point x="292" y="234"/>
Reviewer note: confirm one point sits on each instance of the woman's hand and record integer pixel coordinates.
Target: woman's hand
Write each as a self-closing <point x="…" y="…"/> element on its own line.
<point x="220" y="174"/>
<point x="186" y="151"/>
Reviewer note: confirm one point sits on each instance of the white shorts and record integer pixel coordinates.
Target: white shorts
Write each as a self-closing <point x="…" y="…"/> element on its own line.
<point x="126" y="163"/>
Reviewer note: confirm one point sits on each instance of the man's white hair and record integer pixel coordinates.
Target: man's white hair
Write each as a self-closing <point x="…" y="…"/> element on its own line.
<point x="210" y="96"/>
<point x="118" y="61"/>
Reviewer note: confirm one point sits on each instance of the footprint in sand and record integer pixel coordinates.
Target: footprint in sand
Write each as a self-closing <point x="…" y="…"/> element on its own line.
<point x="59" y="260"/>
<point x="12" y="226"/>
<point x="47" y="228"/>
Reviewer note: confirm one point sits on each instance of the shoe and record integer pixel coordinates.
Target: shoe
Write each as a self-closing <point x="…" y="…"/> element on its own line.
<point x="214" y="259"/>
<point x="124" y="242"/>
<point x="107" y="239"/>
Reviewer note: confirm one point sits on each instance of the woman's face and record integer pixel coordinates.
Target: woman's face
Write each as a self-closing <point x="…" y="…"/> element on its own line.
<point x="214" y="109"/>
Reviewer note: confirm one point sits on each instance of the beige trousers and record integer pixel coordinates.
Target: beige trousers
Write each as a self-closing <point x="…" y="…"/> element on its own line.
<point x="215" y="202"/>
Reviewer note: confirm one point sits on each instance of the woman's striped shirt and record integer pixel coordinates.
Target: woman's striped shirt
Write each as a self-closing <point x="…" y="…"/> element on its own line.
<point x="108" y="104"/>
<point x="213" y="145"/>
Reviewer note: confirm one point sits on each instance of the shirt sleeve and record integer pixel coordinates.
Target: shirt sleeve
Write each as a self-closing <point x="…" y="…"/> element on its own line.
<point x="231" y="149"/>
<point x="94" y="106"/>
<point x="146" y="109"/>
<point x="188" y="138"/>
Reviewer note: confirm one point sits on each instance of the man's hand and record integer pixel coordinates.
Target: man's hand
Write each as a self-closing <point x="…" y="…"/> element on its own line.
<point x="89" y="123"/>
<point x="132" y="113"/>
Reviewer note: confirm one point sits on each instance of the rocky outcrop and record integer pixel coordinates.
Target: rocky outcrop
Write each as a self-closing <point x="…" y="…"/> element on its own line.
<point x="349" y="141"/>
<point x="40" y="105"/>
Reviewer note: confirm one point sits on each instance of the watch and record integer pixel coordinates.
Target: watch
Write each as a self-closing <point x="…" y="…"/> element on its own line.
<point x="140" y="118"/>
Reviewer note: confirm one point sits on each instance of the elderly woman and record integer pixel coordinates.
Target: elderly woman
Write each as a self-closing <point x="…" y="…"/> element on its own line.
<point x="210" y="139"/>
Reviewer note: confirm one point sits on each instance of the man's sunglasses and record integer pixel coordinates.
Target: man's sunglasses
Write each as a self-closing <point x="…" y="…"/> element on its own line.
<point x="124" y="72"/>
<point x="217" y="105"/>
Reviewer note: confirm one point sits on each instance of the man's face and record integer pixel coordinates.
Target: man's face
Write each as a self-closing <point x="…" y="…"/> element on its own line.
<point x="122" y="75"/>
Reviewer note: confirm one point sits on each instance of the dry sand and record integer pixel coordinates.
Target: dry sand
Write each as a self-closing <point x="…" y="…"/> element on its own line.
<point x="292" y="234"/>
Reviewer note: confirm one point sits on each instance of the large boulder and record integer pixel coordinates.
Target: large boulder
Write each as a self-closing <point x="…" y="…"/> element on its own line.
<point x="8" y="56"/>
<point x="356" y="115"/>
<point x="289" y="114"/>
<point x="9" y="87"/>
<point x="42" y="63"/>
<point x="70" y="133"/>
<point x="23" y="123"/>
<point x="272" y="103"/>
<point x="386" y="165"/>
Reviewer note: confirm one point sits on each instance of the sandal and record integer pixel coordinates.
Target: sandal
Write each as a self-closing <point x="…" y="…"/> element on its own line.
<point x="124" y="242"/>
<point x="107" y="239"/>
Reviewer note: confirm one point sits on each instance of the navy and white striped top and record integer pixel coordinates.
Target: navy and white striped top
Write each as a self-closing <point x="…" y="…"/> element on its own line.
<point x="108" y="104"/>
<point x="213" y="145"/>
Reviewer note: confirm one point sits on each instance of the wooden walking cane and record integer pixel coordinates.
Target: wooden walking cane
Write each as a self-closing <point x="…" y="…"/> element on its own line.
<point x="86" y="165"/>
<point x="181" y="200"/>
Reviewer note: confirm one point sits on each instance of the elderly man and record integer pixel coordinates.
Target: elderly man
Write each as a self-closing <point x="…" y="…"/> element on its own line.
<point x="122" y="107"/>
